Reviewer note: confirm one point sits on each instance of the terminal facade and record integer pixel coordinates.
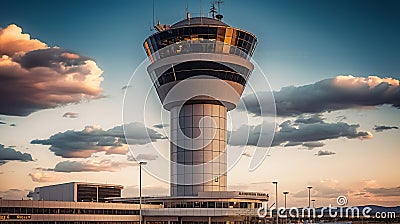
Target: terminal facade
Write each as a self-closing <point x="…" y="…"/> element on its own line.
<point x="208" y="207"/>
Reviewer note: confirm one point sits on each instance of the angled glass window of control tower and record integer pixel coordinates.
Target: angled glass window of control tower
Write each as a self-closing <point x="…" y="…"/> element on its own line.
<point x="199" y="68"/>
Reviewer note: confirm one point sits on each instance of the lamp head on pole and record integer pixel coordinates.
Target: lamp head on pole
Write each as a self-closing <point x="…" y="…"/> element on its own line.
<point x="275" y="182"/>
<point x="286" y="192"/>
<point x="142" y="163"/>
<point x="309" y="187"/>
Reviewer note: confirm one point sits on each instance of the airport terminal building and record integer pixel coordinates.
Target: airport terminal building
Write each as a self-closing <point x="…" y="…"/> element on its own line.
<point x="77" y="192"/>
<point x="207" y="207"/>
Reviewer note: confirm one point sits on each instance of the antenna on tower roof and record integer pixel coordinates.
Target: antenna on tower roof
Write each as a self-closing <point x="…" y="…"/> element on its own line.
<point x="159" y="27"/>
<point x="219" y="3"/>
<point x="153" y="23"/>
<point x="187" y="12"/>
<point x="153" y="14"/>
<point x="201" y="12"/>
<point x="219" y="16"/>
<point x="216" y="11"/>
<point x="213" y="9"/>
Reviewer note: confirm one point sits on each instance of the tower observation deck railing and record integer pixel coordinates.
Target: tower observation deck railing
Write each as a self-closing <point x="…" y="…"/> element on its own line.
<point x="200" y="39"/>
<point x="198" y="46"/>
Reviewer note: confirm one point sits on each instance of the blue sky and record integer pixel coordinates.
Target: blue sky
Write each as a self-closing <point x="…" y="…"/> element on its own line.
<point x="299" y="43"/>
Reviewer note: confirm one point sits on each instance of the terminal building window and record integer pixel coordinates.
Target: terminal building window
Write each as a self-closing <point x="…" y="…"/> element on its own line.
<point x="89" y="193"/>
<point x="22" y="210"/>
<point x="212" y="204"/>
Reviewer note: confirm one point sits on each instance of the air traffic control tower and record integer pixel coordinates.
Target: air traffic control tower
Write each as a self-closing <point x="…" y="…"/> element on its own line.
<point x="199" y="68"/>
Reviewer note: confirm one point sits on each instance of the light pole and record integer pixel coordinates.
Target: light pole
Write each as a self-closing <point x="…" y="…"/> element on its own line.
<point x="276" y="200"/>
<point x="309" y="201"/>
<point x="285" y="193"/>
<point x="313" y="205"/>
<point x="140" y="190"/>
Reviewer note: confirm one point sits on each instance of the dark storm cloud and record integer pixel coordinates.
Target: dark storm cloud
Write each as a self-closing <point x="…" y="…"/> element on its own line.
<point x="291" y="133"/>
<point x="384" y="192"/>
<point x="246" y="154"/>
<point x="309" y="145"/>
<point x="289" y="144"/>
<point x="90" y="140"/>
<point x="306" y="133"/>
<point x="160" y="126"/>
<point x="137" y="134"/>
<point x="312" y="145"/>
<point x="10" y="154"/>
<point x="312" y="119"/>
<point x="61" y="60"/>
<point x="71" y="115"/>
<point x="325" y="153"/>
<point x="34" y="76"/>
<point x="360" y="194"/>
<point x="341" y="92"/>
<point x="126" y="87"/>
<point x="381" y="128"/>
